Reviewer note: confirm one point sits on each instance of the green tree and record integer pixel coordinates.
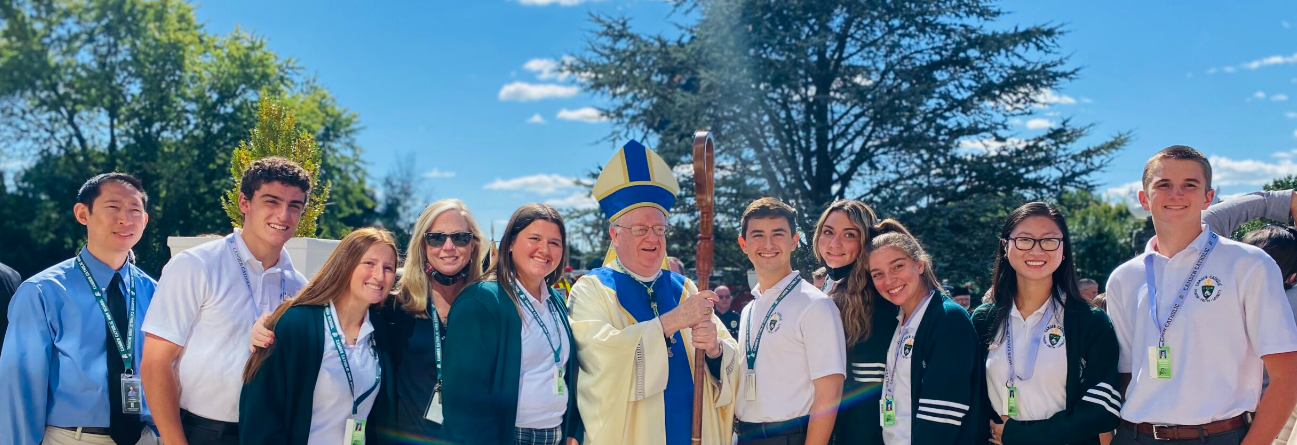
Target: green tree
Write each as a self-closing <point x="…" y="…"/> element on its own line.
<point x="908" y="106"/>
<point x="1285" y="183"/>
<point x="1101" y="234"/>
<point x="89" y="86"/>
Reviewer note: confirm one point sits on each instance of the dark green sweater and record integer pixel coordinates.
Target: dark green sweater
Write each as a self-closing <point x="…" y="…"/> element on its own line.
<point x="857" y="421"/>
<point x="275" y="406"/>
<point x="482" y="362"/>
<point x="1092" y="401"/>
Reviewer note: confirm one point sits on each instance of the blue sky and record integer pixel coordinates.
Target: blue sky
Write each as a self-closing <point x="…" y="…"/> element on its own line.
<point x="463" y="86"/>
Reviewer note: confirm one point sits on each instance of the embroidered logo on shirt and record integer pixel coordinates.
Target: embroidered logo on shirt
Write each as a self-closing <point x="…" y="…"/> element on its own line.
<point x="1208" y="289"/>
<point x="908" y="348"/>
<point x="1054" y="336"/>
<point x="734" y="324"/>
<point x="773" y="325"/>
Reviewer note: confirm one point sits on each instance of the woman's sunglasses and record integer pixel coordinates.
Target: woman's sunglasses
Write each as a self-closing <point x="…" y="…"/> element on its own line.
<point x="438" y="239"/>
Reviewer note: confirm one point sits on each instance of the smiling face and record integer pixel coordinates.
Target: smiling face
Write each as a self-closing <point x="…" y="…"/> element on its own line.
<point x="448" y="258"/>
<point x="839" y="240"/>
<point x="896" y="276"/>
<point x="1177" y="192"/>
<point x="769" y="243"/>
<point x="641" y="254"/>
<point x="372" y="279"/>
<point x="537" y="251"/>
<point x="271" y="214"/>
<point x="116" y="218"/>
<point x="1035" y="264"/>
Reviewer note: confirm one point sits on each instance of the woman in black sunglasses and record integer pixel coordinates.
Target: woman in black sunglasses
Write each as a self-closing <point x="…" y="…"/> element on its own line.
<point x="446" y="254"/>
<point x="1050" y="357"/>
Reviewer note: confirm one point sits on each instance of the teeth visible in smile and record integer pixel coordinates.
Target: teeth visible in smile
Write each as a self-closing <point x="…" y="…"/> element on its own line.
<point x="277" y="226"/>
<point x="1035" y="263"/>
<point x="894" y="291"/>
<point x="370" y="286"/>
<point x="1177" y="207"/>
<point x="767" y="255"/>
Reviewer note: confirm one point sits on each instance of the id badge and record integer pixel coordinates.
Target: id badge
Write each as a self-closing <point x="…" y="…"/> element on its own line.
<point x="750" y="385"/>
<point x="1160" y="358"/>
<point x="132" y="394"/>
<point x="887" y="412"/>
<point x="434" y="407"/>
<point x="560" y="387"/>
<point x="1013" y="401"/>
<point x="355" y="432"/>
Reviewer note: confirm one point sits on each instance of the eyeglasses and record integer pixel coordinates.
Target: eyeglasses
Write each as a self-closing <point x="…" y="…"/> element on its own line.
<point x="644" y="230"/>
<point x="1046" y="244"/>
<point x="438" y="239"/>
<point x="723" y="297"/>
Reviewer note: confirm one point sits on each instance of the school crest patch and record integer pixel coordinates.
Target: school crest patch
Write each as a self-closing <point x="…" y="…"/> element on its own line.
<point x="1054" y="338"/>
<point x="734" y="324"/>
<point x="773" y="325"/>
<point x="908" y="347"/>
<point x="1208" y="288"/>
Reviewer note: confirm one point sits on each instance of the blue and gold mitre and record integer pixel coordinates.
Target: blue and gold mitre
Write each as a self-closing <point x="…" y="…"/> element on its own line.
<point x="635" y="177"/>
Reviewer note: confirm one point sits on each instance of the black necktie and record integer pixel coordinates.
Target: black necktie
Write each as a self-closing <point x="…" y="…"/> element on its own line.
<point x="123" y="428"/>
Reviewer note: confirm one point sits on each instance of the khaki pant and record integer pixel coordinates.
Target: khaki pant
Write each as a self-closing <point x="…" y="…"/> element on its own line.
<point x="59" y="436"/>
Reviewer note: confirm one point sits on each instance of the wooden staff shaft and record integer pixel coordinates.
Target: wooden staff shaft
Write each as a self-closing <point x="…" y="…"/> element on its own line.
<point x="703" y="194"/>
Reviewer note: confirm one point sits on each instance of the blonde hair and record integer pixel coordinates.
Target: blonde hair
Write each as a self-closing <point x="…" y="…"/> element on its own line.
<point x="891" y="233"/>
<point x="413" y="290"/>
<point x="852" y="299"/>
<point x="331" y="283"/>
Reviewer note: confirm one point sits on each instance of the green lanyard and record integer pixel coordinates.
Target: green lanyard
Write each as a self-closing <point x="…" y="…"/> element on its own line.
<point x="549" y="303"/>
<point x="342" y="355"/>
<point x="126" y="351"/>
<point x="747" y="339"/>
<point x="436" y="338"/>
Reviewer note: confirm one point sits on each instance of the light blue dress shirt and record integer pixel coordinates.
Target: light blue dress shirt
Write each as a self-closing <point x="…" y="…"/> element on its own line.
<point x="54" y="368"/>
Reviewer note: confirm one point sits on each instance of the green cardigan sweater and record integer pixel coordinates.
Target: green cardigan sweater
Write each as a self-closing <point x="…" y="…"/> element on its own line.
<point x="483" y="355"/>
<point x="1093" y="403"/>
<point x="275" y="406"/>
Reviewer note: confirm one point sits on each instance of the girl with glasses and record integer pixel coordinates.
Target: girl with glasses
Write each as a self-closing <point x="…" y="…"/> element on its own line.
<point x="1050" y="357"/>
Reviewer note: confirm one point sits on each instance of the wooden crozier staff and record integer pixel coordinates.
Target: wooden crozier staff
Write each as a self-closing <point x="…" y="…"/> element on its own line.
<point x="703" y="194"/>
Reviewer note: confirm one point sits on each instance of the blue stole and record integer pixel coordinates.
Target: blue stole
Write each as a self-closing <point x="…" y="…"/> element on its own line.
<point x="679" y="396"/>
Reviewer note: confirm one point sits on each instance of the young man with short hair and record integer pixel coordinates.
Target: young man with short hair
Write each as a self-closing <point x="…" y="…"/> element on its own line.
<point x="1198" y="318"/>
<point x="791" y="336"/>
<point x="208" y="299"/>
<point x="68" y="370"/>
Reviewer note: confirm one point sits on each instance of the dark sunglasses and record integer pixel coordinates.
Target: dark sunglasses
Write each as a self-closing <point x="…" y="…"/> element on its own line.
<point x="438" y="239"/>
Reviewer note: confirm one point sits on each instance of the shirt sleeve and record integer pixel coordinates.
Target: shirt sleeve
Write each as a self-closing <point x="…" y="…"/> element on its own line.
<point x="1266" y="310"/>
<point x="1119" y="306"/>
<point x="826" y="350"/>
<point x="1226" y="216"/>
<point x="24" y="368"/>
<point x="179" y="295"/>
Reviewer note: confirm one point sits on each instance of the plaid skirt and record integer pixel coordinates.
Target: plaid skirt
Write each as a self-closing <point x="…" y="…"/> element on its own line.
<point x="539" y="436"/>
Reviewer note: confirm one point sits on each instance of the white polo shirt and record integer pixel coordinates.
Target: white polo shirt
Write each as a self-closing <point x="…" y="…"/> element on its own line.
<point x="802" y="342"/>
<point x="331" y="402"/>
<point x="1234" y="313"/>
<point x="898" y="365"/>
<point x="1045" y="393"/>
<point x="538" y="406"/>
<point x="202" y="303"/>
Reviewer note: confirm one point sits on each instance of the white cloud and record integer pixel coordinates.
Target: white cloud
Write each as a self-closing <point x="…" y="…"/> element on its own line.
<point x="1229" y="69"/>
<point x="542" y="184"/>
<point x="536" y="119"/>
<point x="1285" y="154"/>
<point x="548" y="69"/>
<point x="1279" y="97"/>
<point x="529" y="92"/>
<point x="991" y="145"/>
<point x="1285" y="24"/>
<point x="553" y="2"/>
<point x="1259" y="95"/>
<point x="587" y="114"/>
<point x="1249" y="172"/>
<point x="1048" y="97"/>
<point x="1042" y="98"/>
<point x="1259" y="63"/>
<point x="1290" y="115"/>
<point x="577" y="200"/>
<point x="437" y="173"/>
<point x="1127" y="194"/>
<point x="1037" y="124"/>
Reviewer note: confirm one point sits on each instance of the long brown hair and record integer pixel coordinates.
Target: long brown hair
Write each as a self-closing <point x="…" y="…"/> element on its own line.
<point x="413" y="289"/>
<point x="891" y="233"/>
<point x="855" y="304"/>
<point x="331" y="283"/>
<point x="503" y="271"/>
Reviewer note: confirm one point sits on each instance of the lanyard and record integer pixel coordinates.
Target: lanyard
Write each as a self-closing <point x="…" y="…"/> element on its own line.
<point x="1212" y="238"/>
<point x="526" y="300"/>
<point x="346" y="367"/>
<point x="127" y="352"/>
<point x="747" y="339"/>
<point x="889" y="386"/>
<point x="244" y="269"/>
<point x="1032" y="348"/>
<point x="436" y="334"/>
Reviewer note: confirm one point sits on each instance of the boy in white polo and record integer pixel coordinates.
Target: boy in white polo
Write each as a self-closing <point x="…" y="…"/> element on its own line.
<point x="792" y="337"/>
<point x="1198" y="318"/>
<point x="206" y="302"/>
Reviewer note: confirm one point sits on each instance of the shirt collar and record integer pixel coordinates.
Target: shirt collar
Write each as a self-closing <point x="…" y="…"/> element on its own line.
<point x="102" y="273"/>
<point x="366" y="327"/>
<point x="285" y="262"/>
<point x="1197" y="244"/>
<point x="778" y="287"/>
<point x="525" y="293"/>
<point x="919" y="310"/>
<point x="618" y="266"/>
